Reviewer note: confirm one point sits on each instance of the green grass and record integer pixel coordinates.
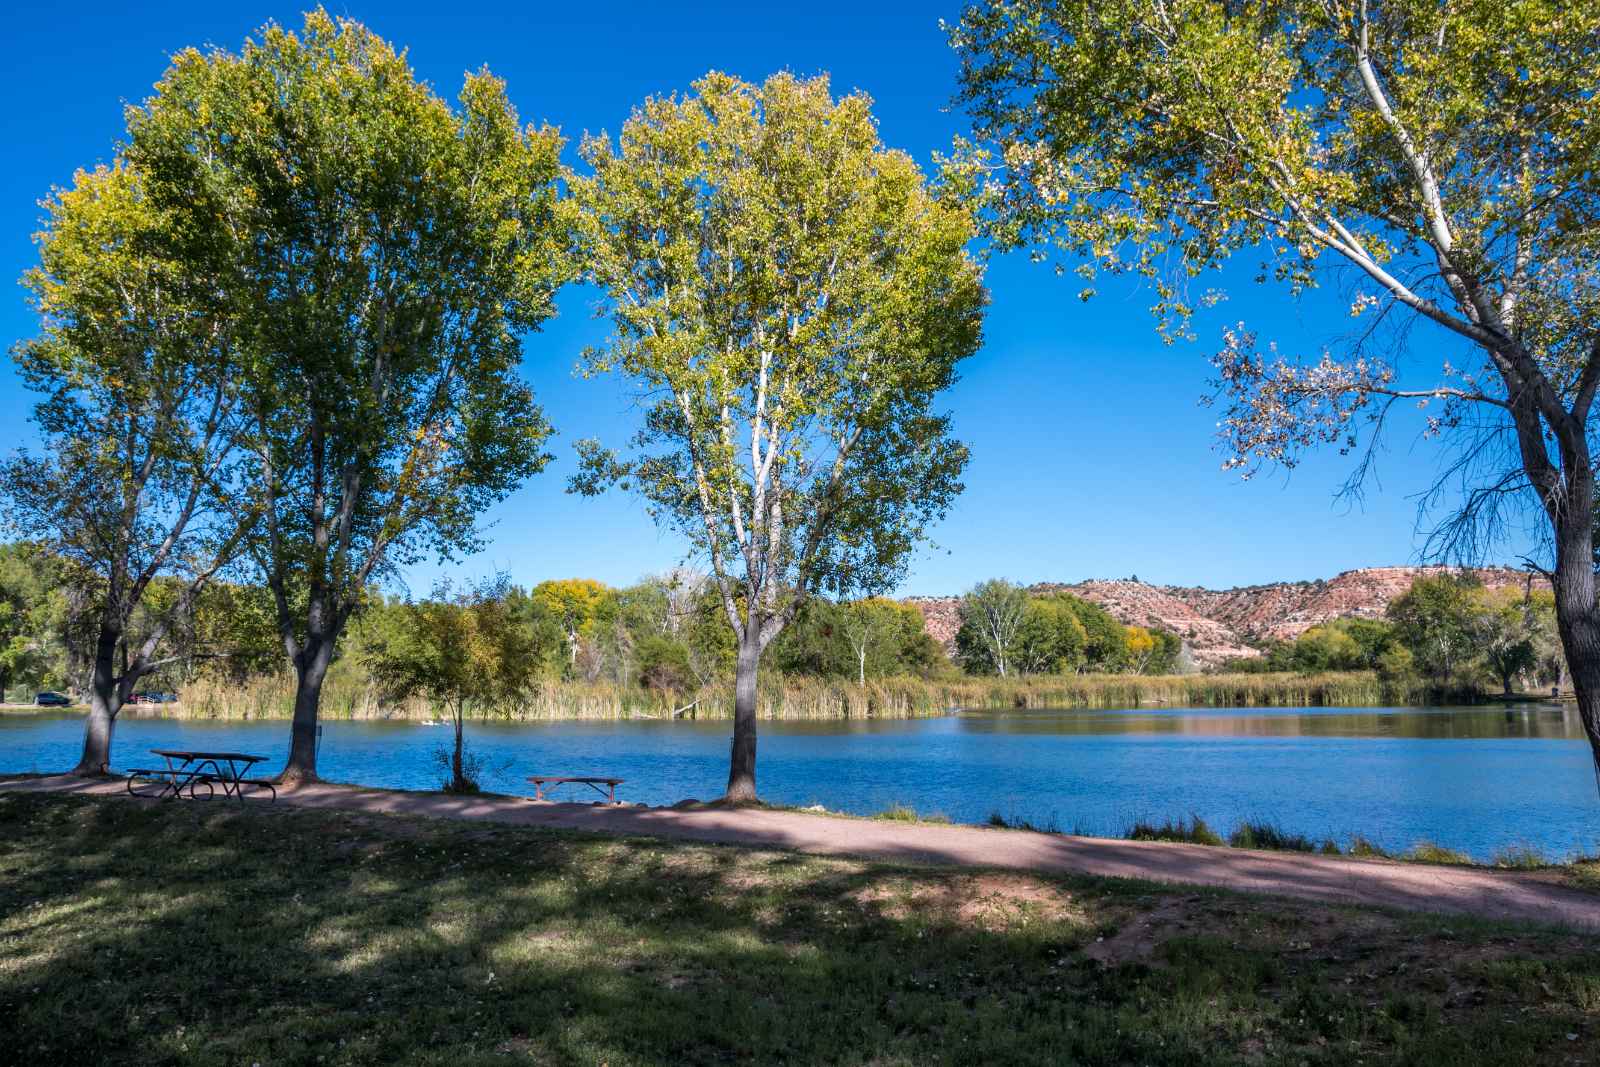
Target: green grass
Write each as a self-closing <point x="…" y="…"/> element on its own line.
<point x="203" y="934"/>
<point x="1193" y="830"/>
<point x="1429" y="852"/>
<point x="906" y="813"/>
<point x="1520" y="857"/>
<point x="1267" y="835"/>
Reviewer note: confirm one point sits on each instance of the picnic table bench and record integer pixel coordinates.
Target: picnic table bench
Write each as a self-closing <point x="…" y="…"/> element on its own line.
<point x="193" y="771"/>
<point x="542" y="783"/>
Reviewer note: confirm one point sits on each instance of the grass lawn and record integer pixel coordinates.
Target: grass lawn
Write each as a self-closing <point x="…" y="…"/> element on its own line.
<point x="156" y="933"/>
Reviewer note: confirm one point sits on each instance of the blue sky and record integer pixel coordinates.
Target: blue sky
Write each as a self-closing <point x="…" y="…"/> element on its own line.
<point x="1091" y="456"/>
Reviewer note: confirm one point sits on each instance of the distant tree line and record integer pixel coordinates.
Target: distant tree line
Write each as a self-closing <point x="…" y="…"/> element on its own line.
<point x="1006" y="631"/>
<point x="1450" y="630"/>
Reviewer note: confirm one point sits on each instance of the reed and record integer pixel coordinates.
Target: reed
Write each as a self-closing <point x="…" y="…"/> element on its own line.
<point x="349" y="694"/>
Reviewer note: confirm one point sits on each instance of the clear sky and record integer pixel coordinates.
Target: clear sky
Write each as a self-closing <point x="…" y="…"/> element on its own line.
<point x="1091" y="456"/>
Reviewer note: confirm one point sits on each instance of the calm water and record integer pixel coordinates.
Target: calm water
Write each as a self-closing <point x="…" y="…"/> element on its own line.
<point x="1476" y="779"/>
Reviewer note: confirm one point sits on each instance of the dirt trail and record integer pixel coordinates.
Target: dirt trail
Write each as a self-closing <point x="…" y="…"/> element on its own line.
<point x="1506" y="895"/>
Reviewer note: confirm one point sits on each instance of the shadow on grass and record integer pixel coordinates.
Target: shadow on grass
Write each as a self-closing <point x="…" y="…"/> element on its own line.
<point x="188" y="933"/>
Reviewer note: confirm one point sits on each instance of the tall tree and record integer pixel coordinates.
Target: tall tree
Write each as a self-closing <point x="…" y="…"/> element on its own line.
<point x="385" y="251"/>
<point x="140" y="423"/>
<point x="1441" y="154"/>
<point x="790" y="297"/>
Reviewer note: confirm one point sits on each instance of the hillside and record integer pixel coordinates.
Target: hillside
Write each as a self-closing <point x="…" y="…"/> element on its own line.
<point x="1220" y="624"/>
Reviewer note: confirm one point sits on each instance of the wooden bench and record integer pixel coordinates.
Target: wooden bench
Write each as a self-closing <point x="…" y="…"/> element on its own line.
<point x="542" y="783"/>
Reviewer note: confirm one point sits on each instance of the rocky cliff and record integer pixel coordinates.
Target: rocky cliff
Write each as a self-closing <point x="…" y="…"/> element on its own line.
<point x="1220" y="624"/>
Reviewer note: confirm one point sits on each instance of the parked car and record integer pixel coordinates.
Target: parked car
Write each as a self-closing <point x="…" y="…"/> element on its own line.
<point x="53" y="700"/>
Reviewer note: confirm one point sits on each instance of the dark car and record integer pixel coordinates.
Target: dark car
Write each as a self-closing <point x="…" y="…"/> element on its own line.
<point x="53" y="700"/>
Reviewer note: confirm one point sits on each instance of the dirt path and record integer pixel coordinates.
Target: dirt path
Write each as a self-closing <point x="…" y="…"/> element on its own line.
<point x="1418" y="887"/>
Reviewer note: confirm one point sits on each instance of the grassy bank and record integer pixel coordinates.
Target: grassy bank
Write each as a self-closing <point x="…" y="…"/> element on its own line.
<point x="340" y="939"/>
<point x="348" y="695"/>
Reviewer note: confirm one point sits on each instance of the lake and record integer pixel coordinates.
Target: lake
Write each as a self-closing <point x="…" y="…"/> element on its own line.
<point x="1476" y="779"/>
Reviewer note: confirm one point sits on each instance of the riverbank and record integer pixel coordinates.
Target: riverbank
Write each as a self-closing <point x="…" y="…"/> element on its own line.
<point x="350" y="938"/>
<point x="348" y="696"/>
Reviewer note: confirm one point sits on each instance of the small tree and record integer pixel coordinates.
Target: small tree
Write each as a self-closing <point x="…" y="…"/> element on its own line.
<point x="140" y="421"/>
<point x="990" y="617"/>
<point x="383" y="253"/>
<point x="464" y="651"/>
<point x="1439" y="157"/>
<point x="790" y="298"/>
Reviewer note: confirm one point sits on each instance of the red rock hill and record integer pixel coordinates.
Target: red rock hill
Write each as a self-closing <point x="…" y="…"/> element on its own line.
<point x="1220" y="624"/>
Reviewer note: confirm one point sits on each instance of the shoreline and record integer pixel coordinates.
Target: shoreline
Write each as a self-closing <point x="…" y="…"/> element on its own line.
<point x="1482" y="893"/>
<point x="894" y="698"/>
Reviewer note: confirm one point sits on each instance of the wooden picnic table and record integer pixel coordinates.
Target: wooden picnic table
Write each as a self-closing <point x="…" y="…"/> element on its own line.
<point x="541" y="783"/>
<point x="193" y="770"/>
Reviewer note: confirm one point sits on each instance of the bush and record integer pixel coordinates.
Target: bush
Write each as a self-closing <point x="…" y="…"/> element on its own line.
<point x="1428" y="852"/>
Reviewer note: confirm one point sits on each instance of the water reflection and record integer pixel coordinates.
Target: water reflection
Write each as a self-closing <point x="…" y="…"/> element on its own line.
<point x="1547" y="721"/>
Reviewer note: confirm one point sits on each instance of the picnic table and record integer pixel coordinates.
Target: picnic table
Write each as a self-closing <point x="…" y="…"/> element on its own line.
<point x="543" y="783"/>
<point x="193" y="771"/>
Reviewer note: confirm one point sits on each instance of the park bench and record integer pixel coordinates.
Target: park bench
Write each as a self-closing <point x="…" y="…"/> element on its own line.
<point x="543" y="783"/>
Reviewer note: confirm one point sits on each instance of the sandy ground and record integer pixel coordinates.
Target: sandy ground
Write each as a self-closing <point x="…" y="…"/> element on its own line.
<point x="1503" y="895"/>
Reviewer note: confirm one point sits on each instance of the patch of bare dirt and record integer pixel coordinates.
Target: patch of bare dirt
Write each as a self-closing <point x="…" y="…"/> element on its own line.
<point x="989" y="902"/>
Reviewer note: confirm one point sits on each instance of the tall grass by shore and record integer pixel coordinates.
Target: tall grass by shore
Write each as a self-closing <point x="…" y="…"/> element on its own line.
<point x="348" y="695"/>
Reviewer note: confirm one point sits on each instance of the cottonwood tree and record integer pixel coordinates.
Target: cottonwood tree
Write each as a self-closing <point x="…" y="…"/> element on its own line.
<point x="140" y="425"/>
<point x="1441" y="156"/>
<point x="385" y="252"/>
<point x="789" y="297"/>
<point x="991" y="614"/>
<point x="867" y="625"/>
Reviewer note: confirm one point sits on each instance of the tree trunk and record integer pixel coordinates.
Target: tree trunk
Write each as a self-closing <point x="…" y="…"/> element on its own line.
<point x="309" y="674"/>
<point x="105" y="700"/>
<point x="1578" y="619"/>
<point x="458" y="781"/>
<point x="742" y="761"/>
